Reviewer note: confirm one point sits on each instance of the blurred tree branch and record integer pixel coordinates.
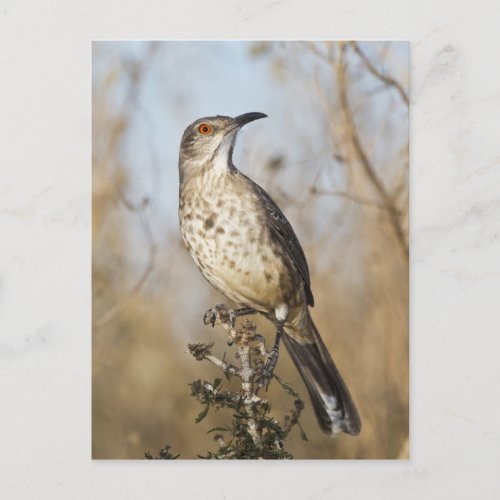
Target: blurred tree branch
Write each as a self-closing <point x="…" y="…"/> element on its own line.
<point x="352" y="135"/>
<point x="349" y="196"/>
<point x="388" y="80"/>
<point x="135" y="72"/>
<point x="347" y="140"/>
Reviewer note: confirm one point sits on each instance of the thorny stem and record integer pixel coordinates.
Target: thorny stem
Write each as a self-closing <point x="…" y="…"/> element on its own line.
<point x="251" y="423"/>
<point x="245" y="339"/>
<point x="223" y="365"/>
<point x="246" y="375"/>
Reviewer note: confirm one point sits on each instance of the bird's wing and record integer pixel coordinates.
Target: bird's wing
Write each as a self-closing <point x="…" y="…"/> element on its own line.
<point x="284" y="232"/>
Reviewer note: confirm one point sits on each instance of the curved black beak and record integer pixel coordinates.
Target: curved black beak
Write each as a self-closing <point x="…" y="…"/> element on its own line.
<point x="247" y="118"/>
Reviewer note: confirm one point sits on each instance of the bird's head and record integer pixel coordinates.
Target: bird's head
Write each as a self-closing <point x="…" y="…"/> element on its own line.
<point x="211" y="139"/>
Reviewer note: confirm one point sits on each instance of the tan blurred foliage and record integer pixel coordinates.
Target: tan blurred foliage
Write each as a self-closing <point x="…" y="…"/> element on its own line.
<point x="351" y="214"/>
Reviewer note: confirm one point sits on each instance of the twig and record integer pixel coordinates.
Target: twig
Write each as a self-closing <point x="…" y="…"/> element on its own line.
<point x="119" y="306"/>
<point x="223" y="365"/>
<point x="292" y="417"/>
<point x="246" y="375"/>
<point x="388" y="80"/>
<point x="349" y="196"/>
<point x="244" y="340"/>
<point x="357" y="146"/>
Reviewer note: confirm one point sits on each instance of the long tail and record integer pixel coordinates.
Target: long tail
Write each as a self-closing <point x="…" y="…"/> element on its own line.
<point x="332" y="402"/>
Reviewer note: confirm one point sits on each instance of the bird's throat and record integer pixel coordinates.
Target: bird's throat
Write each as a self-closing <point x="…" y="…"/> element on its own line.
<point x="222" y="159"/>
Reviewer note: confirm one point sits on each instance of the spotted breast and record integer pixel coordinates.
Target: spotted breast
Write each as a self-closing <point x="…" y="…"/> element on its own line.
<point x="231" y="246"/>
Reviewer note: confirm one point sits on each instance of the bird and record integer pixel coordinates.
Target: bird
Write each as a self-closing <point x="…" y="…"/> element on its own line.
<point x="246" y="249"/>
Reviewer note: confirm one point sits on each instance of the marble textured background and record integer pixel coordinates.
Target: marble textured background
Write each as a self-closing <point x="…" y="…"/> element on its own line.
<point x="45" y="248"/>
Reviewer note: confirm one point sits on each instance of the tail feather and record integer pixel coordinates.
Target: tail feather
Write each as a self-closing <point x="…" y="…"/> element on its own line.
<point x="332" y="402"/>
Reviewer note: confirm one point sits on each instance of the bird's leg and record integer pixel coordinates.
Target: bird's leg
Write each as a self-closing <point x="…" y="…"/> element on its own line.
<point x="220" y="311"/>
<point x="272" y="357"/>
<point x="242" y="311"/>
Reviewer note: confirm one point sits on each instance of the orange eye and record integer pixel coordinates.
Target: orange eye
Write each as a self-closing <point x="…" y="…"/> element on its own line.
<point x="204" y="129"/>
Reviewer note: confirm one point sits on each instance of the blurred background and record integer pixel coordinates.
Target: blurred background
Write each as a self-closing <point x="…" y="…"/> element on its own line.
<point x="333" y="154"/>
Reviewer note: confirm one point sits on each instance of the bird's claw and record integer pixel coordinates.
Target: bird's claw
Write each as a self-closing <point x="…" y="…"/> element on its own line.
<point x="222" y="314"/>
<point x="219" y="314"/>
<point x="267" y="372"/>
<point x="212" y="315"/>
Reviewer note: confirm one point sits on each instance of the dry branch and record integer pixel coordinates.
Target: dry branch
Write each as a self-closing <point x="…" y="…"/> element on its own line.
<point x="265" y="435"/>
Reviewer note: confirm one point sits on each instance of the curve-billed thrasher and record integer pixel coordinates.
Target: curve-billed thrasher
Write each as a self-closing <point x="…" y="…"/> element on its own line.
<point x="246" y="248"/>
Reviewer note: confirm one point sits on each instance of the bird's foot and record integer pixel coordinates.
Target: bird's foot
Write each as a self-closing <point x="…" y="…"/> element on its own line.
<point x="218" y="313"/>
<point x="221" y="313"/>
<point x="272" y="359"/>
